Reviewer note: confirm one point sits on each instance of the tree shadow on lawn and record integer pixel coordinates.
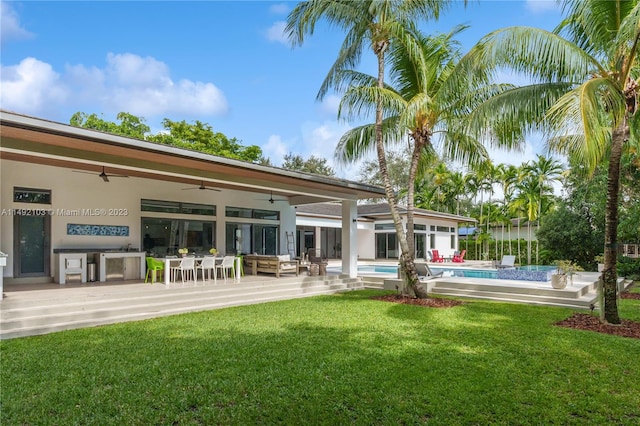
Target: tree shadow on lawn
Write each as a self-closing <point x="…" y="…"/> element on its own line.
<point x="577" y="321"/>
<point x="225" y="367"/>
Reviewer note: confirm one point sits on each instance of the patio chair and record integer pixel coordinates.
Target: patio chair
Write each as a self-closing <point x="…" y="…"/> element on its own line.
<point x="153" y="266"/>
<point x="225" y="265"/>
<point x="208" y="265"/>
<point x="459" y="258"/>
<point x="435" y="256"/>
<point x="188" y="266"/>
<point x="425" y="273"/>
<point x="508" y="262"/>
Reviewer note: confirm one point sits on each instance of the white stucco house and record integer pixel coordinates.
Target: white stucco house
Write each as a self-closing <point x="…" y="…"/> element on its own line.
<point x="65" y="189"/>
<point x="319" y="225"/>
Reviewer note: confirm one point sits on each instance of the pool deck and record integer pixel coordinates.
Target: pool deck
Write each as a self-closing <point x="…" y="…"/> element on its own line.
<point x="581" y="293"/>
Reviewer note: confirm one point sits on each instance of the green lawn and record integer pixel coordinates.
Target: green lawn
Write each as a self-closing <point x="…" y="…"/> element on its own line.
<point x="343" y="359"/>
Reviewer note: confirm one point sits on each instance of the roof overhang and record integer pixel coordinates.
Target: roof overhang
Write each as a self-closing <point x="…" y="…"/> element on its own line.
<point x="33" y="140"/>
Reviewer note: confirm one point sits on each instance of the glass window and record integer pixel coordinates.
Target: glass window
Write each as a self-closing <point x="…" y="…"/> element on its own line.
<point x="453" y="242"/>
<point x="432" y="241"/>
<point x="432" y="228"/>
<point x="453" y="229"/>
<point x="177" y="207"/>
<point x="418" y="227"/>
<point x="266" y="214"/>
<point x="442" y="229"/>
<point x="331" y="242"/>
<point x="165" y="236"/>
<point x="252" y="213"/>
<point x="251" y="238"/>
<point x="201" y="209"/>
<point x="386" y="246"/>
<point x="381" y="246"/>
<point x="30" y="195"/>
<point x="420" y="242"/>
<point x="384" y="226"/>
<point x="238" y="212"/>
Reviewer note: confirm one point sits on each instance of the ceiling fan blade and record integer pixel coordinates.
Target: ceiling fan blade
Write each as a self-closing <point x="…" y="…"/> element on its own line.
<point x="202" y="187"/>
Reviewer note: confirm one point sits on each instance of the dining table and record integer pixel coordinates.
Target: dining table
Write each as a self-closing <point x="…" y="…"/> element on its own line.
<point x="172" y="261"/>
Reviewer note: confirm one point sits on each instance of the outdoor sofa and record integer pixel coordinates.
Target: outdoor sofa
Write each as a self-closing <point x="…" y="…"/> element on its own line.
<point x="268" y="264"/>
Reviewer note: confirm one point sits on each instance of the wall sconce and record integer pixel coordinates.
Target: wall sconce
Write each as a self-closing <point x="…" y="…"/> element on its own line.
<point x="354" y="220"/>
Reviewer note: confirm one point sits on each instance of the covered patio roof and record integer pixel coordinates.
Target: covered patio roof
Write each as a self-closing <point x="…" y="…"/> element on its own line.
<point x="34" y="140"/>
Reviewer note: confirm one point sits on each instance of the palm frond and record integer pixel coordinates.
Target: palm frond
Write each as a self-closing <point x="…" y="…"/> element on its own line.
<point x="539" y="55"/>
<point x="358" y="142"/>
<point x="591" y="109"/>
<point x="506" y="117"/>
<point x="594" y="24"/>
<point x="361" y="101"/>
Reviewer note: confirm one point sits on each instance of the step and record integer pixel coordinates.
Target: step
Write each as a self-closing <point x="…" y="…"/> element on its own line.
<point x="56" y="313"/>
<point x="583" y="302"/>
<point x="574" y="291"/>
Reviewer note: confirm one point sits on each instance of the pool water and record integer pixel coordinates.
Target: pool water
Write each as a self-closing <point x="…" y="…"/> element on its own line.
<point x="523" y="273"/>
<point x="467" y="273"/>
<point x="538" y="268"/>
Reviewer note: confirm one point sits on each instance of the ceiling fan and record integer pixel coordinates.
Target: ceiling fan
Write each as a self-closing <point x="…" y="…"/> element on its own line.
<point x="105" y="177"/>
<point x="201" y="187"/>
<point x="271" y="199"/>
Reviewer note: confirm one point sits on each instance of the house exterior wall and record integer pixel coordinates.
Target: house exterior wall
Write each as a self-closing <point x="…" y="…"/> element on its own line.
<point x="367" y="233"/>
<point x="80" y="198"/>
<point x="366" y="241"/>
<point x="496" y="233"/>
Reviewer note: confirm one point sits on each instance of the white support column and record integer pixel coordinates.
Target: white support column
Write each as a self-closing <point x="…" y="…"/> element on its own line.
<point x="317" y="234"/>
<point x="350" y="238"/>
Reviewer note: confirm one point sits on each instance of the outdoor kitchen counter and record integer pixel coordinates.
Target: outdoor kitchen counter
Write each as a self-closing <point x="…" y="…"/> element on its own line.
<point x="113" y="264"/>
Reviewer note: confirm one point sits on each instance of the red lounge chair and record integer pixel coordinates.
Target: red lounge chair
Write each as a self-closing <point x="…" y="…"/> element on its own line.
<point x="459" y="257"/>
<point x="435" y="256"/>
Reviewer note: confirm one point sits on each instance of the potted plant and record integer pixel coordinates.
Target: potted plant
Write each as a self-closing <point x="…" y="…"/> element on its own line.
<point x="565" y="268"/>
<point x="600" y="260"/>
<point x="213" y="251"/>
<point x="183" y="251"/>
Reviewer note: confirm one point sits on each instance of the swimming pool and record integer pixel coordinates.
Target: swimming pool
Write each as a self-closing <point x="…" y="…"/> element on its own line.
<point x="523" y="273"/>
<point x="450" y="272"/>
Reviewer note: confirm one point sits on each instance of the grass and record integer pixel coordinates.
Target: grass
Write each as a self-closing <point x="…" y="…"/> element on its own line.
<point x="343" y="359"/>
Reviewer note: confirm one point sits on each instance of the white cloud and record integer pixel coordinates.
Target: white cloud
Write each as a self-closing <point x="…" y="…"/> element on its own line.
<point x="275" y="149"/>
<point x="10" y="27"/>
<point x="31" y="86"/>
<point x="279" y="9"/>
<point x="277" y="34"/>
<point x="330" y="105"/>
<point x="138" y="85"/>
<point x="321" y="140"/>
<point x="542" y="6"/>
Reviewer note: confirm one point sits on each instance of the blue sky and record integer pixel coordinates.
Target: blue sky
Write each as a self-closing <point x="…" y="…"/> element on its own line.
<point x="225" y="63"/>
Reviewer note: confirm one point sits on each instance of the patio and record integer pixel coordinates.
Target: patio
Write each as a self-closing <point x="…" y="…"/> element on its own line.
<point x="32" y="309"/>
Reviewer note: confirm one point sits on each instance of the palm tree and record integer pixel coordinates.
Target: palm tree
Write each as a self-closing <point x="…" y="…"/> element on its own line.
<point x="548" y="171"/>
<point x="374" y="23"/>
<point x="424" y="101"/>
<point x="508" y="178"/>
<point x="527" y="201"/>
<point x="584" y="96"/>
<point x="457" y="188"/>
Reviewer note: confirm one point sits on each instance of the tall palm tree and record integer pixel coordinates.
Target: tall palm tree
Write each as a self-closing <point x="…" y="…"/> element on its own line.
<point x="548" y="171"/>
<point x="457" y="187"/>
<point x="584" y="96"/>
<point x="376" y="24"/>
<point x="508" y="177"/>
<point x="425" y="100"/>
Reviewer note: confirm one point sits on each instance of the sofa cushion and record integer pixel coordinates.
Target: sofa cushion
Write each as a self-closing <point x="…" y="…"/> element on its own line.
<point x="284" y="257"/>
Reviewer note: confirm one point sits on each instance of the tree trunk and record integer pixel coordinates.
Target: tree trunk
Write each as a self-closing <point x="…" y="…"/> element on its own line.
<point x="609" y="274"/>
<point x="406" y="258"/>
